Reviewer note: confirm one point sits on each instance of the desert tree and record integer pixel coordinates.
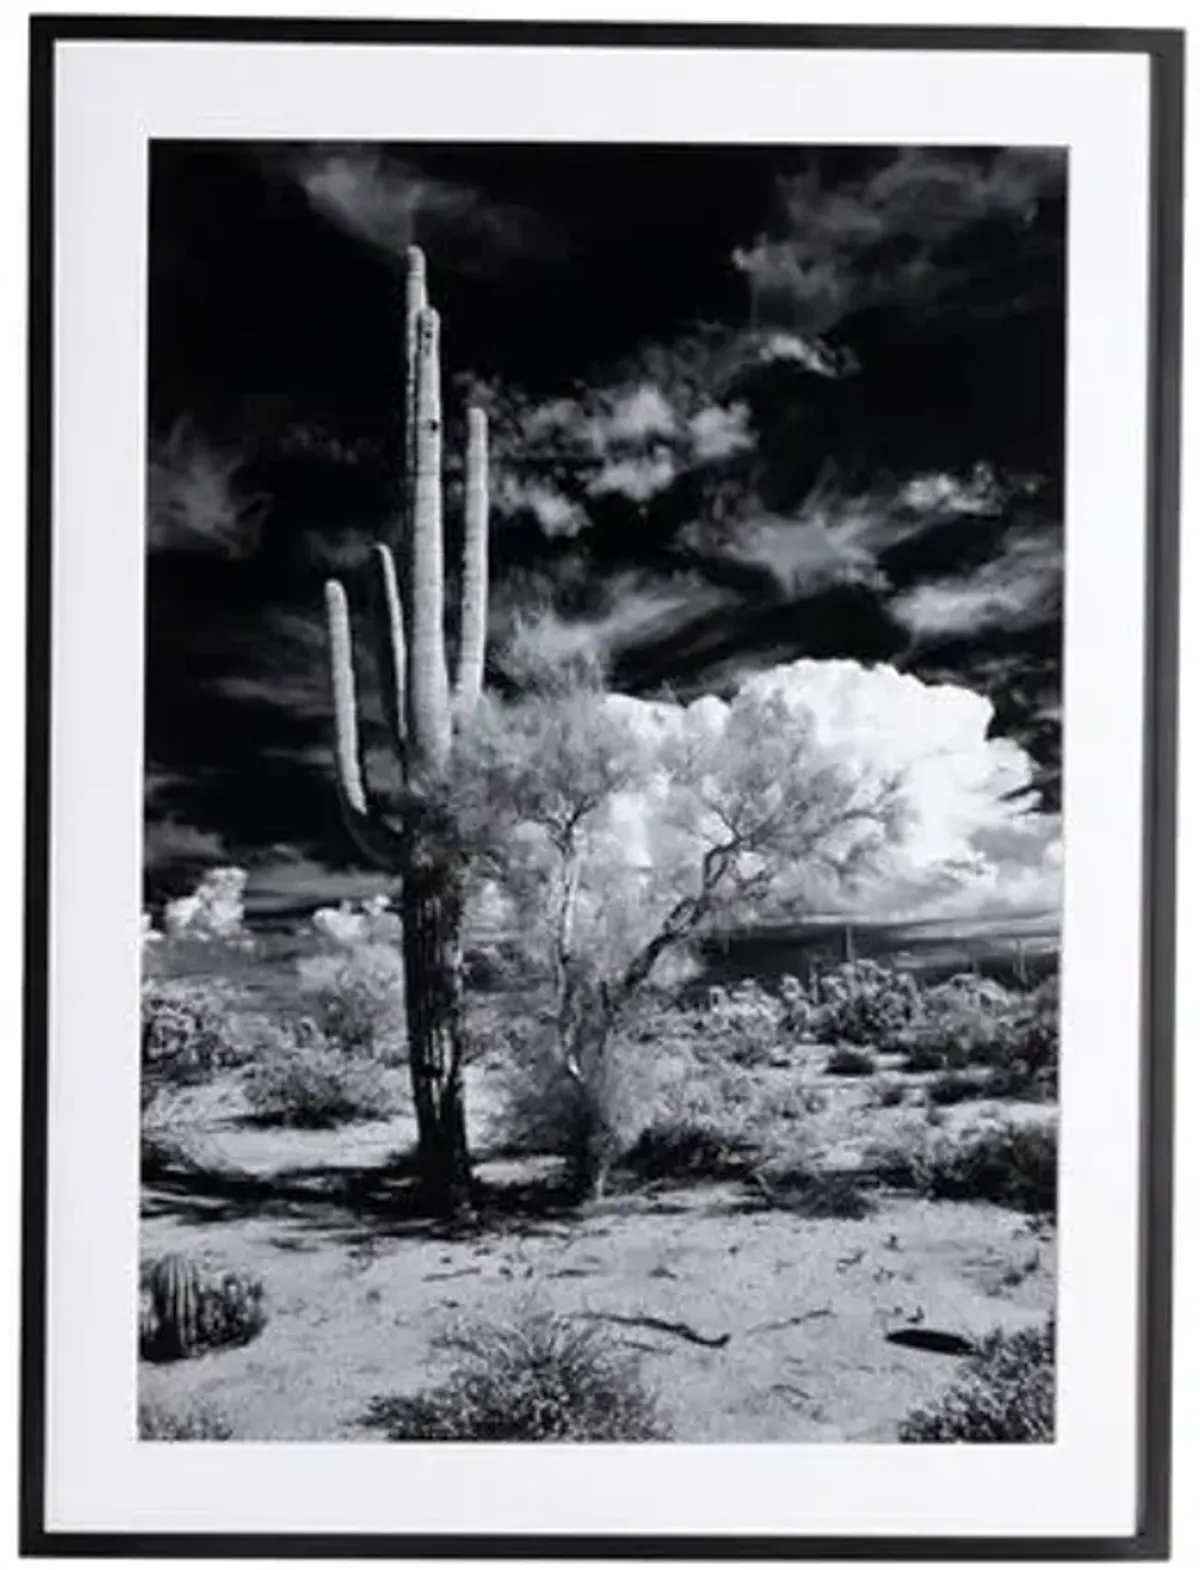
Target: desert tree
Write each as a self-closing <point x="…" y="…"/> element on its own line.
<point x="623" y="831"/>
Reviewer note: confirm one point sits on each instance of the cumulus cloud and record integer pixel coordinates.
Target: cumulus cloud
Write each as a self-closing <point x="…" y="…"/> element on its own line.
<point x="972" y="837"/>
<point x="1018" y="588"/>
<point x="887" y="237"/>
<point x="1016" y="871"/>
<point x="193" y="499"/>
<point x="392" y="204"/>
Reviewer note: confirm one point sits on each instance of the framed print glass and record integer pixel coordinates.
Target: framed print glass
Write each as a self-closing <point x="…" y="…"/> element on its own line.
<point x="602" y="682"/>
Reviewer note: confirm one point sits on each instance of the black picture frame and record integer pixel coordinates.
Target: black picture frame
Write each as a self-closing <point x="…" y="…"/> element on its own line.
<point x="1164" y="52"/>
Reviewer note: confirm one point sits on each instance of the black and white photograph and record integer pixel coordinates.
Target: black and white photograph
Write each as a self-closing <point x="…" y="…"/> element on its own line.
<point x="602" y="834"/>
<point x="601" y="790"/>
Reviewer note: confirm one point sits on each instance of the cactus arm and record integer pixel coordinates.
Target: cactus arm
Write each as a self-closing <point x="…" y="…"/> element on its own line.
<point x="415" y="301"/>
<point x="473" y="624"/>
<point x="388" y="623"/>
<point x="428" y="687"/>
<point x="378" y="842"/>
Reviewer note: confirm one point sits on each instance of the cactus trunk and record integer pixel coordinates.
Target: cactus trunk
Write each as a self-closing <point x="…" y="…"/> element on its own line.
<point x="409" y="615"/>
<point x="431" y="909"/>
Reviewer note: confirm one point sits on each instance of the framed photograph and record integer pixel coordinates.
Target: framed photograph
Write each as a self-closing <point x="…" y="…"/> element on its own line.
<point x="602" y="677"/>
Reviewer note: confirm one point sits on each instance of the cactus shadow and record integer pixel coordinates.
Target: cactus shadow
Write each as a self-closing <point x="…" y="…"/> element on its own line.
<point x="349" y="1205"/>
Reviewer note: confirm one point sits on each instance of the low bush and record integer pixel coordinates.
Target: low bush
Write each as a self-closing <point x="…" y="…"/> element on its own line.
<point x="972" y="1022"/>
<point x="356" y="996"/>
<point x="953" y="1086"/>
<point x="542" y="1379"/>
<point x="888" y="1093"/>
<point x="684" y="1151"/>
<point x="1005" y="1397"/>
<point x="850" y="1062"/>
<point x="745" y="1024"/>
<point x="189" y="1034"/>
<point x="300" y="1081"/>
<point x="197" y="1420"/>
<point x="789" y="1183"/>
<point x="929" y="1049"/>
<point x="549" y="1110"/>
<point x="170" y="1132"/>
<point x="1009" y="1164"/>
<point x="618" y="1088"/>
<point x="862" y="1003"/>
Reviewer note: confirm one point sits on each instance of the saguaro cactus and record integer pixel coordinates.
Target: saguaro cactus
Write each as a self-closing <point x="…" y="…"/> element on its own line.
<point x="420" y="709"/>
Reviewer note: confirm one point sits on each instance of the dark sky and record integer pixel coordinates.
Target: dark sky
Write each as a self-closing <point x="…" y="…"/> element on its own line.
<point x="862" y="351"/>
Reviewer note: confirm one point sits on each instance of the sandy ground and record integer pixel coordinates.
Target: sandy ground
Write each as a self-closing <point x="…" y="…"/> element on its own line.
<point x="358" y="1292"/>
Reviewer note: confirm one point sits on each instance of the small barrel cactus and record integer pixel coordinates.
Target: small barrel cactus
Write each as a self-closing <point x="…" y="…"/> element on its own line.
<point x="187" y="1307"/>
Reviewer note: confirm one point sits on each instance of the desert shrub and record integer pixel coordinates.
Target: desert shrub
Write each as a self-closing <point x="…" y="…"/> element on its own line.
<point x="593" y="1109"/>
<point x="187" y="1306"/>
<point x="888" y="1093"/>
<point x="971" y="1021"/>
<point x="548" y="1110"/>
<point x="862" y="1003"/>
<point x="196" y="1420"/>
<point x="953" y="1086"/>
<point x="927" y="1050"/>
<point x="1010" y="1164"/>
<point x="540" y="1379"/>
<point x="850" y="1062"/>
<point x="794" y="1183"/>
<point x="683" y="1151"/>
<point x="300" y="1081"/>
<point x="172" y="1132"/>
<point x="1005" y="1397"/>
<point x="798" y="1009"/>
<point x="745" y="1023"/>
<point x="356" y="996"/>
<point x="188" y="1034"/>
<point x="1025" y="1065"/>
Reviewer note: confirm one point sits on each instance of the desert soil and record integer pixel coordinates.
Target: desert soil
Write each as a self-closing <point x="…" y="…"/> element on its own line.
<point x="799" y="1310"/>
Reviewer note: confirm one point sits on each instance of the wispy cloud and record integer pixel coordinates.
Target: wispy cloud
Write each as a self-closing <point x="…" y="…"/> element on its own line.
<point x="630" y="438"/>
<point x="888" y="237"/>
<point x="811" y="353"/>
<point x="839" y="538"/>
<point x="820" y="550"/>
<point x="193" y="499"/>
<point x="174" y="845"/>
<point x="638" y="609"/>
<point x="282" y="664"/>
<point x="392" y="204"/>
<point x="720" y="431"/>
<point x="557" y="515"/>
<point x="1018" y="588"/>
